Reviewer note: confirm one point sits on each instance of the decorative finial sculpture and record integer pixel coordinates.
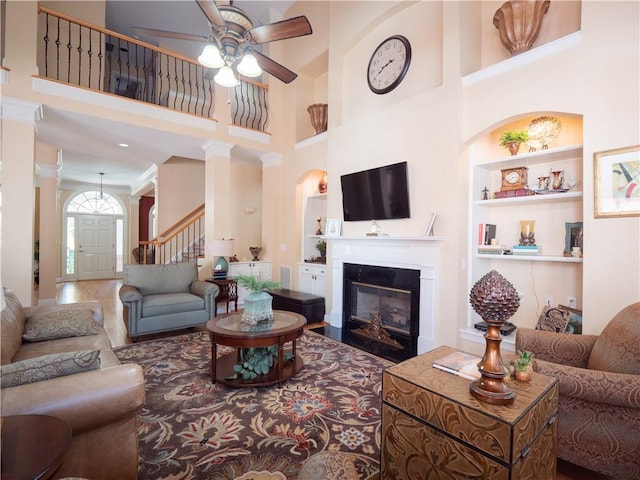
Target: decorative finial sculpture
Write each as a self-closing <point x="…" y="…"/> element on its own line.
<point x="495" y="300"/>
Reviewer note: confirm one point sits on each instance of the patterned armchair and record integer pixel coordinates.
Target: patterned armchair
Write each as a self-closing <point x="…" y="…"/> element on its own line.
<point x="599" y="402"/>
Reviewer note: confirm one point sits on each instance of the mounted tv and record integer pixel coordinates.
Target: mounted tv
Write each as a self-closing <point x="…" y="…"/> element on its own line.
<point x="377" y="194"/>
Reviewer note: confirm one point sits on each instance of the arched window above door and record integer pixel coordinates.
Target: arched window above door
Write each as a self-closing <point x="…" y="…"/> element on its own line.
<point x="95" y="202"/>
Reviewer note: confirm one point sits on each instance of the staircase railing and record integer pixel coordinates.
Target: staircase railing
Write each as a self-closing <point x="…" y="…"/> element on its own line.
<point x="79" y="53"/>
<point x="182" y="242"/>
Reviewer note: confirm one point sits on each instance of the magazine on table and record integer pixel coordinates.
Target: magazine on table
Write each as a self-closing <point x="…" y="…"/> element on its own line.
<point x="459" y="363"/>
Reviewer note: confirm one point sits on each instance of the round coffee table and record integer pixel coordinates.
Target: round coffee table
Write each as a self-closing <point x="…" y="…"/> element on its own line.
<point x="229" y="330"/>
<point x="33" y="446"/>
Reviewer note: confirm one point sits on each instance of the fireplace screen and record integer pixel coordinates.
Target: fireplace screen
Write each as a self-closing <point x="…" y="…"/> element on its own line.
<point x="391" y="304"/>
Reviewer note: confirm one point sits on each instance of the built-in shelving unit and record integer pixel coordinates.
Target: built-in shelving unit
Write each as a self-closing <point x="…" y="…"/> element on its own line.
<point x="551" y="212"/>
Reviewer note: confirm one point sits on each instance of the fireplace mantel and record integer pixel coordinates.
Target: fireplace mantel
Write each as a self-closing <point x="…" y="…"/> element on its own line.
<point x="416" y="253"/>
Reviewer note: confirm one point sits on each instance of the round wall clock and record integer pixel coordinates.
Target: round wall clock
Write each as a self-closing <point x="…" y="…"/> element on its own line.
<point x="389" y="64"/>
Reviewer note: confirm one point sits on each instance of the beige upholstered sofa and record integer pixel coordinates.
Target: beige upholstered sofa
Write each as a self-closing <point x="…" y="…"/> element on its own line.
<point x="599" y="401"/>
<point x="100" y="404"/>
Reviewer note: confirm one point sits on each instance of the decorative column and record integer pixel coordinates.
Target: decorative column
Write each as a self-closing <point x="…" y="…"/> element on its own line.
<point x="217" y="217"/>
<point x="271" y="182"/>
<point x="19" y="118"/>
<point x="49" y="217"/>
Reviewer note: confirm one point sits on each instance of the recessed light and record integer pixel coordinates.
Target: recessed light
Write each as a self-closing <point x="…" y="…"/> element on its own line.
<point x="123" y="145"/>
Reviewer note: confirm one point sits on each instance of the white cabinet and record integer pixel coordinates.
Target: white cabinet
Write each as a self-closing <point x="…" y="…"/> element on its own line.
<point x="260" y="270"/>
<point x="313" y="279"/>
<point x="557" y="275"/>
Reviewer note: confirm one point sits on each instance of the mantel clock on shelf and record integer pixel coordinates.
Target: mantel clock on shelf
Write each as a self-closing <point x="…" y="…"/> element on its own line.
<point x="514" y="178"/>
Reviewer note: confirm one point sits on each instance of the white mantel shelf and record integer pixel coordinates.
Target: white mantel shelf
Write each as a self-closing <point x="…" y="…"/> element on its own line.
<point x="380" y="238"/>
<point x="414" y="253"/>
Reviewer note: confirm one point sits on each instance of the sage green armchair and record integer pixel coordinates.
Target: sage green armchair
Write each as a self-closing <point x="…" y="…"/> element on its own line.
<point x="160" y="298"/>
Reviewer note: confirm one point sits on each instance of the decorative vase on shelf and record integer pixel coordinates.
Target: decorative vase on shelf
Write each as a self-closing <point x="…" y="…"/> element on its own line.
<point x="518" y="22"/>
<point x="558" y="179"/>
<point x="322" y="184"/>
<point x="513" y="147"/>
<point x="318" y="113"/>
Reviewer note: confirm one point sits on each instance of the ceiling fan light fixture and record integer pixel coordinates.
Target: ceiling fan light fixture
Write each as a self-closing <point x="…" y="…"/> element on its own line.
<point x="210" y="57"/>
<point x="226" y="78"/>
<point x="249" y="67"/>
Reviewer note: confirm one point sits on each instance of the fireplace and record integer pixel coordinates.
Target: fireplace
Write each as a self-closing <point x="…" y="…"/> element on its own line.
<point x="381" y="310"/>
<point x="417" y="254"/>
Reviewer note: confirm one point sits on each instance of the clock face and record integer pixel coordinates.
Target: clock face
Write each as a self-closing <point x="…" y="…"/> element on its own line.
<point x="389" y="64"/>
<point x="512" y="177"/>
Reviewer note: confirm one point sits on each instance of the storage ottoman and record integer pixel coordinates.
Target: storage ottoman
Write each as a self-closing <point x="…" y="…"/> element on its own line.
<point x="310" y="306"/>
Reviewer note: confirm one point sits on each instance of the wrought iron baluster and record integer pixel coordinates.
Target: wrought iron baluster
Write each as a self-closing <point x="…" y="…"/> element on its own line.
<point x="90" y="53"/>
<point x="69" y="52"/>
<point x="182" y="81"/>
<point x="79" y="54"/>
<point x="46" y="46"/>
<point x="58" y="43"/>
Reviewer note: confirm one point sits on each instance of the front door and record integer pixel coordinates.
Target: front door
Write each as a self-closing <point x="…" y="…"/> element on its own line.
<point x="96" y="247"/>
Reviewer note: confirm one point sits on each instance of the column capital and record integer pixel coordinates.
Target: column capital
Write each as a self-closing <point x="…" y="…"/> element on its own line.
<point x="271" y="159"/>
<point x="48" y="170"/>
<point x="20" y="110"/>
<point x="213" y="148"/>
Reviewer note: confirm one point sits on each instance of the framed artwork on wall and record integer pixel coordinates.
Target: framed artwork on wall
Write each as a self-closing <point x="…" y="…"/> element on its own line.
<point x="617" y="182"/>
<point x="573" y="239"/>
<point x="332" y="228"/>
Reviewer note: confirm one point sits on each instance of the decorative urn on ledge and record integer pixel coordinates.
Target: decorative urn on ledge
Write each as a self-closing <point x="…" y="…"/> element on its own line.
<point x="319" y="114"/>
<point x="518" y="22"/>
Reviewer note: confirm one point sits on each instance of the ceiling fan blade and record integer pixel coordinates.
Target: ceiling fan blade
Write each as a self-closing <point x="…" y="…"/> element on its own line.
<point x="293" y="27"/>
<point x="274" y="68"/>
<point x="152" y="32"/>
<point x="210" y="10"/>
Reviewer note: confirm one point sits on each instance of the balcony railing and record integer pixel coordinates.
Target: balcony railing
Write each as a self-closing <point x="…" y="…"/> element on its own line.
<point x="79" y="53"/>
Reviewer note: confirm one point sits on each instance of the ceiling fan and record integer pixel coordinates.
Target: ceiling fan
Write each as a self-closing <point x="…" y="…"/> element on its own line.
<point x="232" y="39"/>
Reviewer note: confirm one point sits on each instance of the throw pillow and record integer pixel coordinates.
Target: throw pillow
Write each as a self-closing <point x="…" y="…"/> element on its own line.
<point x="48" y="367"/>
<point x="59" y="324"/>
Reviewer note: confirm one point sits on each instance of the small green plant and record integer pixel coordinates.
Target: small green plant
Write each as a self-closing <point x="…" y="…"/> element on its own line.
<point x="513" y="136"/>
<point x="256" y="284"/>
<point x="524" y="360"/>
<point x="256" y="361"/>
<point x="321" y="246"/>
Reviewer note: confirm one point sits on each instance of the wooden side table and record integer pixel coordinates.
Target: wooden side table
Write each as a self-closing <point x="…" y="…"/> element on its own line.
<point x="228" y="293"/>
<point x="432" y="425"/>
<point x="33" y="446"/>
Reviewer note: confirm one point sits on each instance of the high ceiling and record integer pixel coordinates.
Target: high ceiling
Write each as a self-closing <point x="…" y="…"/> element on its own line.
<point x="90" y="145"/>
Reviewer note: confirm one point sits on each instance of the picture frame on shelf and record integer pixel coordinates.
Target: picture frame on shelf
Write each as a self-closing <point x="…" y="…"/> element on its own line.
<point x="617" y="182"/>
<point x="332" y="227"/>
<point x="575" y="319"/>
<point x="573" y="237"/>
<point x="428" y="231"/>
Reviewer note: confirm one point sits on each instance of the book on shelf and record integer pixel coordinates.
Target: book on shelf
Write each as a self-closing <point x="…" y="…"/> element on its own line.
<point x="486" y="232"/>
<point x="492" y="249"/>
<point x="526" y="249"/>
<point x="459" y="363"/>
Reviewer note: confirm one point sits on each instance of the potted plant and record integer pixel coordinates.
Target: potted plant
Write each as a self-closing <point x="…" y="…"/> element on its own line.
<point x="256" y="361"/>
<point x="512" y="139"/>
<point x="321" y="246"/>
<point x="257" y="304"/>
<point x="524" y="366"/>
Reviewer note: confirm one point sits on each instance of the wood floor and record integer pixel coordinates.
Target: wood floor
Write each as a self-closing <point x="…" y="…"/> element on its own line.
<point x="106" y="291"/>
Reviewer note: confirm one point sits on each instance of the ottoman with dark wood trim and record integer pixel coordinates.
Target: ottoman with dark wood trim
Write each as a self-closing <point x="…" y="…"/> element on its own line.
<point x="310" y="306"/>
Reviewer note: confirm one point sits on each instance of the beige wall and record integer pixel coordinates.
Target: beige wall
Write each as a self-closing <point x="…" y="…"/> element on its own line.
<point x="431" y="121"/>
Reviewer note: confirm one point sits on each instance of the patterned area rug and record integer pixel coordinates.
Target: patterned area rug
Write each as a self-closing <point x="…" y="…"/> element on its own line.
<point x="191" y="428"/>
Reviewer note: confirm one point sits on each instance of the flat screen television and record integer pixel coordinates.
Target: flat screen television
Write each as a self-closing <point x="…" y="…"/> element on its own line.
<point x="380" y="193"/>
